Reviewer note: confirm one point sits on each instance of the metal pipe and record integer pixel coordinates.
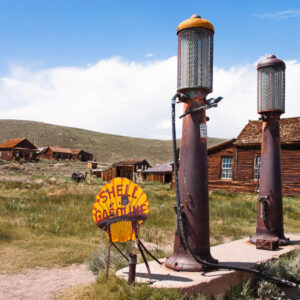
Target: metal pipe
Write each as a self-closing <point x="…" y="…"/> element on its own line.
<point x="132" y="268"/>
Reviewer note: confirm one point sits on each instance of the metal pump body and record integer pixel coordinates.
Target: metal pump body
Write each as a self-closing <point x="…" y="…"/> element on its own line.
<point x="271" y="104"/>
<point x="195" y="48"/>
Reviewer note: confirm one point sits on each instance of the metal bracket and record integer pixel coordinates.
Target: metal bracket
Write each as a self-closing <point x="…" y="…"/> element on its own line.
<point x="263" y="201"/>
<point x="212" y="102"/>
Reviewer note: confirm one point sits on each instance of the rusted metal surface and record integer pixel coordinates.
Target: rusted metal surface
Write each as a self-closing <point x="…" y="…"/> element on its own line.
<point x="271" y="61"/>
<point x="132" y="268"/>
<point x="267" y="244"/>
<point x="193" y="187"/>
<point x="78" y="177"/>
<point x="270" y="213"/>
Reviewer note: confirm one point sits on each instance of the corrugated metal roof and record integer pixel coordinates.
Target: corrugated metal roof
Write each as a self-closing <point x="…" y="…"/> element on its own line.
<point x="166" y="167"/>
<point x="11" y="143"/>
<point x="252" y="132"/>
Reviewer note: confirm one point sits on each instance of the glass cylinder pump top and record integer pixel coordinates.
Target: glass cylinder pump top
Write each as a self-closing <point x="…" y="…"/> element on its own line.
<point x="195" y="54"/>
<point x="271" y="85"/>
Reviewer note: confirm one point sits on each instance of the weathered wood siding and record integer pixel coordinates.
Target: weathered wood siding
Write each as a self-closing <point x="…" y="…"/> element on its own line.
<point x="118" y="171"/>
<point x="215" y="161"/>
<point x="17" y="154"/>
<point x="290" y="170"/>
<point x="49" y="154"/>
<point x="82" y="156"/>
<point x="243" y="169"/>
<point x="6" y="154"/>
<point x="109" y="174"/>
<point x="159" y="177"/>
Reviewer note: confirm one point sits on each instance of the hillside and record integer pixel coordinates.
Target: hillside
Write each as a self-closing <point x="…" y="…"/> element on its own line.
<point x="106" y="148"/>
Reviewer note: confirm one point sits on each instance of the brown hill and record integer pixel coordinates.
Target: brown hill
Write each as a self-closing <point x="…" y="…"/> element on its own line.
<point x="106" y="148"/>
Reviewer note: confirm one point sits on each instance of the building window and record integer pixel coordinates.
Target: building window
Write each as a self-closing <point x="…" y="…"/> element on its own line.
<point x="257" y="162"/>
<point x="226" y="168"/>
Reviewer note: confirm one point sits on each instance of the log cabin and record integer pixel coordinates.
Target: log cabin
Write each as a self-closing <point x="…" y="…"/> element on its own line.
<point x="234" y="165"/>
<point x="16" y="149"/>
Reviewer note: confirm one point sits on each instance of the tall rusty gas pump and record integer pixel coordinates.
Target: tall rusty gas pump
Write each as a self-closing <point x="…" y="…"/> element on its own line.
<point x="195" y="67"/>
<point x="194" y="83"/>
<point x="270" y="105"/>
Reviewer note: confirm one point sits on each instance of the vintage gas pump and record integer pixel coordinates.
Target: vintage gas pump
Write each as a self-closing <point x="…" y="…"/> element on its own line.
<point x="194" y="82"/>
<point x="271" y="104"/>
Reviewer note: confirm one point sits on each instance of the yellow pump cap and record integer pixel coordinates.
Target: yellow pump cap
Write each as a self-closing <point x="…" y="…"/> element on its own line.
<point x="195" y="21"/>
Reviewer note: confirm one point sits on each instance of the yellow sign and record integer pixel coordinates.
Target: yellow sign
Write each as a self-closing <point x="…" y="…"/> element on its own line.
<point x="118" y="206"/>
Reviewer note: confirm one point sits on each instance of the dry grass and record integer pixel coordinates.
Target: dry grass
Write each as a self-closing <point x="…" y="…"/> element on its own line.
<point x="46" y="220"/>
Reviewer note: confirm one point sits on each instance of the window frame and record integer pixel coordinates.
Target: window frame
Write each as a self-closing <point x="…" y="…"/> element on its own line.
<point x="231" y="169"/>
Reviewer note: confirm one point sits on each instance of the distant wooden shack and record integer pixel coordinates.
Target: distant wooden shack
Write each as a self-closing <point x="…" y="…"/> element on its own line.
<point x="56" y="153"/>
<point x="159" y="173"/>
<point x="92" y="164"/>
<point x="234" y="165"/>
<point x="79" y="154"/>
<point x="126" y="169"/>
<point x="16" y="149"/>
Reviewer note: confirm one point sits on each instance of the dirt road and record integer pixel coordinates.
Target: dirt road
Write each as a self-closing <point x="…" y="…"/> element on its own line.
<point x="42" y="283"/>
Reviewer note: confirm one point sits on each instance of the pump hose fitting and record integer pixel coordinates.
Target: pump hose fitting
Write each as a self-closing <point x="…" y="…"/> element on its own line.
<point x="216" y="266"/>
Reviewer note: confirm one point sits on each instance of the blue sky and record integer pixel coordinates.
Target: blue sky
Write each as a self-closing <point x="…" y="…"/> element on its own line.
<point x="47" y="36"/>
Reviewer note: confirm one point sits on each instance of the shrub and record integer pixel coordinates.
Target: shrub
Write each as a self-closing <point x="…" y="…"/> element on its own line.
<point x="97" y="262"/>
<point x="269" y="291"/>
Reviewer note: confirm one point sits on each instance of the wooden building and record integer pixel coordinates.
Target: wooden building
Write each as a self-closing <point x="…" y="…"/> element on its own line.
<point x="56" y="153"/>
<point x="234" y="164"/>
<point x="160" y="173"/>
<point x="92" y="164"/>
<point x="126" y="168"/>
<point x="79" y="154"/>
<point x="16" y="149"/>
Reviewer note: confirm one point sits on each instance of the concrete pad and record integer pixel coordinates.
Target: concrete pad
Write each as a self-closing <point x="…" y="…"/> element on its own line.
<point x="239" y="253"/>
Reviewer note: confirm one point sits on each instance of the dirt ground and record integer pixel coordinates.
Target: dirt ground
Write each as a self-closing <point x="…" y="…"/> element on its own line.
<point x="43" y="283"/>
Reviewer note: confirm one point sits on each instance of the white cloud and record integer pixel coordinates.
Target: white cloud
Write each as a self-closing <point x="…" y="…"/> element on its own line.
<point x="150" y="55"/>
<point x="133" y="99"/>
<point x="291" y="13"/>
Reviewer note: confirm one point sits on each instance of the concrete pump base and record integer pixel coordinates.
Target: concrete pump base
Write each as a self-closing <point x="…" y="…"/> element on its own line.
<point x="240" y="253"/>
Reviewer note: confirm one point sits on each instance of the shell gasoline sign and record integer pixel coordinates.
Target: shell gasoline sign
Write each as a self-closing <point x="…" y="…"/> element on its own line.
<point x="117" y="206"/>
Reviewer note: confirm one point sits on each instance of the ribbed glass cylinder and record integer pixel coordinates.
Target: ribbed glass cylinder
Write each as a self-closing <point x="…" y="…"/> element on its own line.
<point x="195" y="59"/>
<point x="270" y="90"/>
